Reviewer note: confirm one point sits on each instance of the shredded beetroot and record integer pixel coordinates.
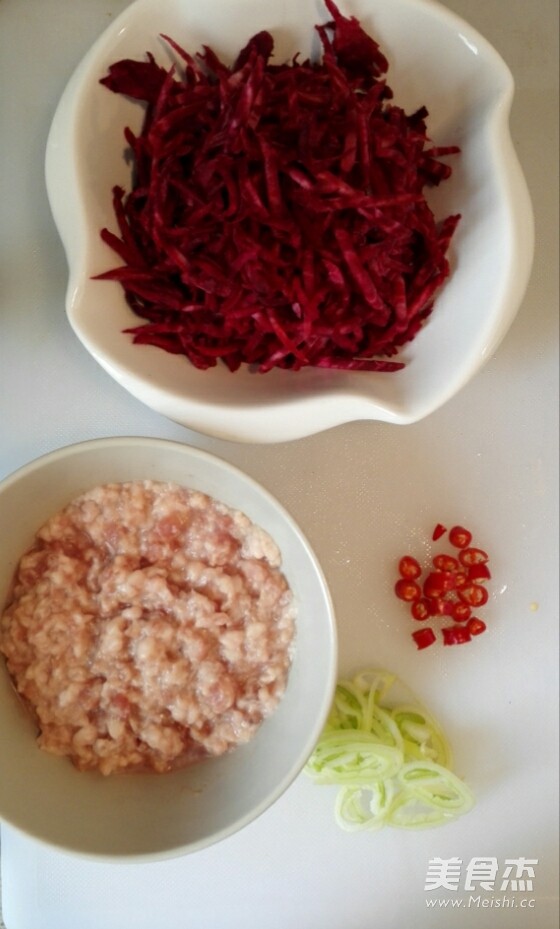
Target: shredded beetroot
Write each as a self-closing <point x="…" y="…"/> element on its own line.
<point x="277" y="215"/>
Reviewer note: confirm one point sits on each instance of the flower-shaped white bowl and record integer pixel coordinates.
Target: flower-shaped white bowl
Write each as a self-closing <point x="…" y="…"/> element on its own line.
<point x="436" y="60"/>
<point x="145" y="816"/>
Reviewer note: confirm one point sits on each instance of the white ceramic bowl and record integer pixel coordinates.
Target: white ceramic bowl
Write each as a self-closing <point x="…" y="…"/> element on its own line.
<point x="435" y="59"/>
<point x="149" y="815"/>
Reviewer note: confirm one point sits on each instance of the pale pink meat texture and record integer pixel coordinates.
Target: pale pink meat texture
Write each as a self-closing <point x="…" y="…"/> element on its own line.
<point x="149" y="626"/>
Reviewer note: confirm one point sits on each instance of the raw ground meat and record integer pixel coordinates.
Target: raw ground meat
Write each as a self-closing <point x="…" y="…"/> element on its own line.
<point x="149" y="626"/>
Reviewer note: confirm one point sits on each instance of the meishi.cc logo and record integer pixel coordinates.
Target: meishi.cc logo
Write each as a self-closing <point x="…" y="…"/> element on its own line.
<point x="513" y="874"/>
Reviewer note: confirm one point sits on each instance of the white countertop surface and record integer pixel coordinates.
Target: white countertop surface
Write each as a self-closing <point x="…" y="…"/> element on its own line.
<point x="488" y="459"/>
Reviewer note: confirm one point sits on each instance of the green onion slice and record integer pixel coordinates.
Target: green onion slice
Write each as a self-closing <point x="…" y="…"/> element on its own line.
<point x="391" y="760"/>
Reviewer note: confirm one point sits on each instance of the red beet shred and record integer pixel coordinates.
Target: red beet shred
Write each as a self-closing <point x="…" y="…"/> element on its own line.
<point x="277" y="214"/>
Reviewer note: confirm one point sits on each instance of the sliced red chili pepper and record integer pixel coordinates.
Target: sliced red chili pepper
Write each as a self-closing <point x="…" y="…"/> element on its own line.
<point x="407" y="590"/>
<point x="420" y="609"/>
<point x="438" y="583"/>
<point x="460" y="537"/>
<point x="424" y="637"/>
<point x="476" y="626"/>
<point x="438" y="532"/>
<point x="479" y="573"/>
<point x="473" y="594"/>
<point x="445" y="563"/>
<point x="453" y="588"/>
<point x="461" y="612"/>
<point x="409" y="567"/>
<point x="455" y="635"/>
<point x="439" y="606"/>
<point x="470" y="556"/>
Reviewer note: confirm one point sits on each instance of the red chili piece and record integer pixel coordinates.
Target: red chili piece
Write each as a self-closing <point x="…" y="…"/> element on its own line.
<point x="409" y="567"/>
<point x="479" y="573"/>
<point x="455" y="635"/>
<point x="438" y="583"/>
<point x="424" y="637"/>
<point x="438" y="532"/>
<point x="475" y="626"/>
<point x="461" y="612"/>
<point x="473" y="594"/>
<point x="407" y="590"/>
<point x="472" y="556"/>
<point x="421" y="609"/>
<point x="460" y="537"/>
<point x="439" y="606"/>
<point x="445" y="563"/>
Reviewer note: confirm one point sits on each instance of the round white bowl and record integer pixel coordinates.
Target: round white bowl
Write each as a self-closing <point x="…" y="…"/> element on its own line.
<point x="435" y="59"/>
<point x="149" y="816"/>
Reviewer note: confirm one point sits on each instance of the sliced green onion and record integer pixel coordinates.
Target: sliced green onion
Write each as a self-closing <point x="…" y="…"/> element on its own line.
<point x="392" y="762"/>
<point x="357" y="808"/>
<point x="378" y="681"/>
<point x="408" y="812"/>
<point x="349" y="705"/>
<point x="354" y="758"/>
<point x="422" y="734"/>
<point x="435" y="784"/>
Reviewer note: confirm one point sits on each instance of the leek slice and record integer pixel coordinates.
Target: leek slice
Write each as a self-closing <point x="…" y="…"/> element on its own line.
<point x="423" y="735"/>
<point x="358" y="809"/>
<point x="391" y="761"/>
<point x="354" y="758"/>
